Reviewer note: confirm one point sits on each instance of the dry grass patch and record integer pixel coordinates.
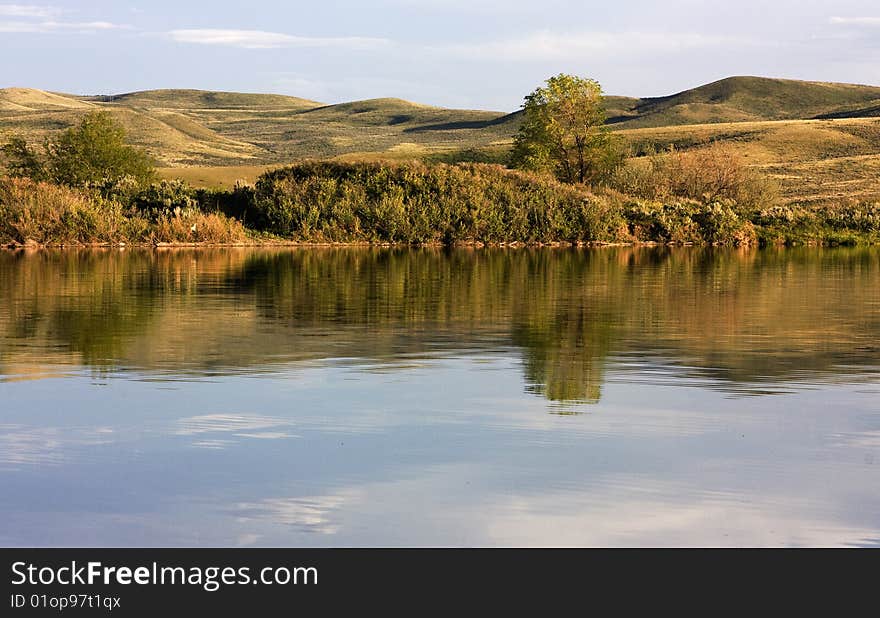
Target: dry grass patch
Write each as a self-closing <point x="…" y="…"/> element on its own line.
<point x="215" y="177"/>
<point x="198" y="227"/>
<point x="37" y="212"/>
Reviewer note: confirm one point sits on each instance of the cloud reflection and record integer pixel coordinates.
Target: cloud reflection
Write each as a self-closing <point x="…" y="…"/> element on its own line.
<point x="236" y="425"/>
<point x="315" y="514"/>
<point x="45" y="446"/>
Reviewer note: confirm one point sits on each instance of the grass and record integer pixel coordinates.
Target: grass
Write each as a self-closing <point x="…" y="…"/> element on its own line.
<point x="200" y="128"/>
<point x="37" y="213"/>
<point x="821" y="162"/>
<point x="215" y="177"/>
<point x="204" y="128"/>
<point x="738" y="99"/>
<point x="40" y="213"/>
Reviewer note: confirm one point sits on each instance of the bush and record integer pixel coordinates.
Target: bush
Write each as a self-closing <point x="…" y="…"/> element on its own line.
<point x="413" y="203"/>
<point x="689" y="222"/>
<point x="859" y="217"/>
<point x="238" y="203"/>
<point x="164" y="199"/>
<point x="420" y="203"/>
<point x="707" y="175"/>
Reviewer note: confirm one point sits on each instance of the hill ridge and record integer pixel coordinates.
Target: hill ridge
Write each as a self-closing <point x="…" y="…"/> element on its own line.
<point x="211" y="127"/>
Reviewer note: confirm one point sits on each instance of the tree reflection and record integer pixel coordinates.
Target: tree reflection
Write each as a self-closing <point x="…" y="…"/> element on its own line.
<point x="741" y="318"/>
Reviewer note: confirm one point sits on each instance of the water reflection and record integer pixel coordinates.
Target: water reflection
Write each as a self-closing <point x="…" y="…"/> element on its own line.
<point x="746" y="322"/>
<point x="429" y="397"/>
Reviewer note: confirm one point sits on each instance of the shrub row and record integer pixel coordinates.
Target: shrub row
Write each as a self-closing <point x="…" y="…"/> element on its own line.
<point x="419" y="203"/>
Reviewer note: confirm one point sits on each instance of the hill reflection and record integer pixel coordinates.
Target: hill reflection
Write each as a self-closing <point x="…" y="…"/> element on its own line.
<point x="742" y="320"/>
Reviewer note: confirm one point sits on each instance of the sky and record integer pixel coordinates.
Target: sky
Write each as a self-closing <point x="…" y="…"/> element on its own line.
<point x="479" y="54"/>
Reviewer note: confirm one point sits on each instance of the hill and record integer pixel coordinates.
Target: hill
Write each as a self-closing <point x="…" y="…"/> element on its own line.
<point x="822" y="140"/>
<point x="173" y="137"/>
<point x="197" y="127"/>
<point x="745" y="99"/>
<point x="28" y="99"/>
<point x="192" y="100"/>
<point x="869" y="110"/>
<point x="193" y="127"/>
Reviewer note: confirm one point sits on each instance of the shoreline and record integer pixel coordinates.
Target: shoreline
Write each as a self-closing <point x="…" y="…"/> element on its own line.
<point x="294" y="244"/>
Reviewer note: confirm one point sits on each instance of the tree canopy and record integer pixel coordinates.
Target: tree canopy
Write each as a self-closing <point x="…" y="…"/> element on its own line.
<point x="92" y="154"/>
<point x="563" y="131"/>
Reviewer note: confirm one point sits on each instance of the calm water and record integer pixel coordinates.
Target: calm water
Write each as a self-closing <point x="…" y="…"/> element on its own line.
<point x="409" y="397"/>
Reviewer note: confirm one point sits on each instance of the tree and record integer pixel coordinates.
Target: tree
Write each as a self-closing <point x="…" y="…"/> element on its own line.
<point x="92" y="154"/>
<point x="563" y="131"/>
<point x="23" y="161"/>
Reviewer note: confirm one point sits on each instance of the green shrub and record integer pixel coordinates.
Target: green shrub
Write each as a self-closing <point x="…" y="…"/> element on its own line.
<point x="858" y="217"/>
<point x="166" y="198"/>
<point x="689" y="222"/>
<point x="420" y="203"/>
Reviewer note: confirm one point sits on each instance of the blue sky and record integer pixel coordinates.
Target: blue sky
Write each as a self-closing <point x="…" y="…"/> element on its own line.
<point x="463" y="53"/>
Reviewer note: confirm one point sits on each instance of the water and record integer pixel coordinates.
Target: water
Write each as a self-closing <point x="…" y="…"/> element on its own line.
<point x="422" y="397"/>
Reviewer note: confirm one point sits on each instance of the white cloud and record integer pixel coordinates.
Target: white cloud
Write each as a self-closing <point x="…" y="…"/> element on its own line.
<point x="83" y="25"/>
<point x="28" y="11"/>
<point x="49" y="27"/>
<point x="33" y="19"/>
<point x="856" y="21"/>
<point x="458" y="7"/>
<point x="547" y="45"/>
<point x="260" y="39"/>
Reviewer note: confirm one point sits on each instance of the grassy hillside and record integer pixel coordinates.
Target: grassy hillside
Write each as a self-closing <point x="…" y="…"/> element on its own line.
<point x="195" y="127"/>
<point x="821" y="140"/>
<point x="860" y="110"/>
<point x="192" y="127"/>
<point x="191" y="100"/>
<point x="375" y="125"/>
<point x="738" y="99"/>
<point x="30" y="100"/>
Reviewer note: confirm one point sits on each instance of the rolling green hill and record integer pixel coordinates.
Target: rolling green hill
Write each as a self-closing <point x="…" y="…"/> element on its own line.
<point x="192" y="100"/>
<point x="869" y="110"/>
<point x="196" y="127"/>
<point x="192" y="127"/>
<point x="221" y="136"/>
<point x="747" y="99"/>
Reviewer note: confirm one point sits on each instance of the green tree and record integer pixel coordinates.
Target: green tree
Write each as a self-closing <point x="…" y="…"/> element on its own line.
<point x="563" y="132"/>
<point x="92" y="154"/>
<point x="22" y="160"/>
